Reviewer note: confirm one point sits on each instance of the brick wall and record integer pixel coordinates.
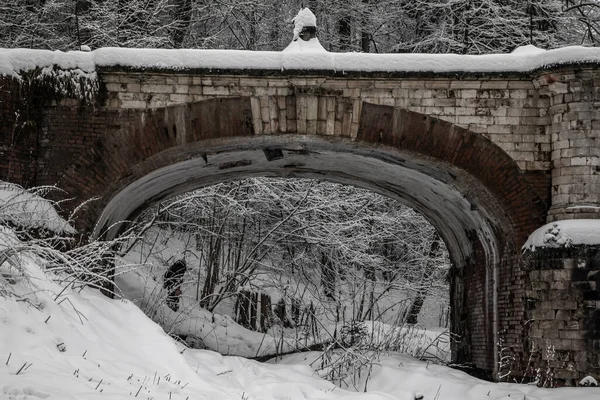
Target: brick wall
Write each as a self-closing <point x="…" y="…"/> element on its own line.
<point x="563" y="312"/>
<point x="21" y="128"/>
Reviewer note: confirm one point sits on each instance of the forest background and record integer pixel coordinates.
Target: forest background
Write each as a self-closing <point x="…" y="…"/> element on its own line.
<point x="383" y="26"/>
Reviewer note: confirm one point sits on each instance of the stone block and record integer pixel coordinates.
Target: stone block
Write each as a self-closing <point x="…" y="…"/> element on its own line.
<point x="195" y="90"/>
<point x="180" y="98"/>
<point x="217" y="91"/>
<point x="550" y="334"/>
<point x="133" y="87"/>
<point x="107" y="78"/>
<point x="116" y="87"/>
<point x="525" y="84"/>
<point x="360" y="84"/>
<point x="261" y="82"/>
<point x="157" y="88"/>
<point x="181" y="89"/>
<point x="387" y="84"/>
<point x="562" y="314"/>
<point x="542" y="314"/>
<point x="466" y="85"/>
<point x="468" y="94"/>
<point x="572" y="334"/>
<point x="258" y="91"/>
<point x="133" y="104"/>
<point x="412" y="84"/>
<point x="498" y="85"/>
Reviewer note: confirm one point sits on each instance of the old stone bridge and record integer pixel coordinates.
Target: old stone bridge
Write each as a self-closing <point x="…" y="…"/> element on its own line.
<point x="487" y="156"/>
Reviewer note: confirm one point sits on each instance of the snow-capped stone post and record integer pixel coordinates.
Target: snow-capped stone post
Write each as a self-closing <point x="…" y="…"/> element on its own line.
<point x="305" y="33"/>
<point x="305" y="25"/>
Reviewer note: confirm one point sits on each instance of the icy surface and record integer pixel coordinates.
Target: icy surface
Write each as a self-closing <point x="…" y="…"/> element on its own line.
<point x="565" y="233"/>
<point x="14" y="61"/>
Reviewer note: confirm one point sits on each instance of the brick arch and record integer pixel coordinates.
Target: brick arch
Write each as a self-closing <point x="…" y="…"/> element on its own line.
<point x="468" y="187"/>
<point x="147" y="140"/>
<point x="463" y="149"/>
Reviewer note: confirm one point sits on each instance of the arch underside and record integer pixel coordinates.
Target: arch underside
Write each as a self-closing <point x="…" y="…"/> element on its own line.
<point x="449" y="198"/>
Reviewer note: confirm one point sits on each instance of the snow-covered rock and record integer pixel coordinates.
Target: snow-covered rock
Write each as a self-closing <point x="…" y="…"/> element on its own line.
<point x="311" y="46"/>
<point x="29" y="210"/>
<point x="565" y="233"/>
<point x="305" y="18"/>
<point x="588" y="381"/>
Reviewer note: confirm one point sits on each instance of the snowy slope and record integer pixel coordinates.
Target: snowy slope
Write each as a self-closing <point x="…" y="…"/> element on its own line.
<point x="68" y="342"/>
<point x="92" y="347"/>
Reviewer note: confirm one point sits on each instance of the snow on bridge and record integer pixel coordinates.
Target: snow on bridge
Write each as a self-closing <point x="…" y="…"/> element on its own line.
<point x="309" y="58"/>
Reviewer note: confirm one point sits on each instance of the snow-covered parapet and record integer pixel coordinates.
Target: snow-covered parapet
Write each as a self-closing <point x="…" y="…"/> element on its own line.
<point x="15" y="61"/>
<point x="305" y="38"/>
<point x="565" y="233"/>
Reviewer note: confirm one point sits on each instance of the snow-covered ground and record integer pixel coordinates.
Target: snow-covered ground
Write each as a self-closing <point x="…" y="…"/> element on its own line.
<point x="67" y="341"/>
<point x="78" y="344"/>
<point x="28" y="208"/>
<point x="140" y="279"/>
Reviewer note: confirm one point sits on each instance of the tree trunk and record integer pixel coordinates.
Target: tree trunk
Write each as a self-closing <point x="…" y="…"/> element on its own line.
<point x="365" y="36"/>
<point x="212" y="276"/>
<point x="419" y="300"/>
<point x="265" y="312"/>
<point x="327" y="276"/>
<point x="344" y="30"/>
<point x="243" y="301"/>
<point x="253" y="310"/>
<point x="183" y="14"/>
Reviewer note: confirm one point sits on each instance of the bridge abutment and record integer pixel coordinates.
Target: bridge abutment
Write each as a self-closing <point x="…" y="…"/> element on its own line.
<point x="562" y="296"/>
